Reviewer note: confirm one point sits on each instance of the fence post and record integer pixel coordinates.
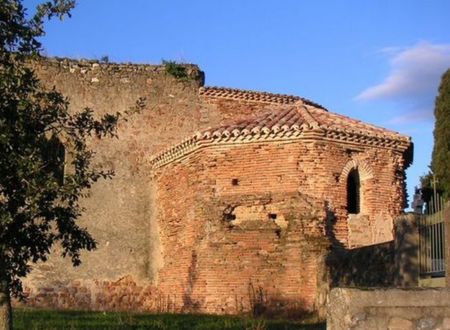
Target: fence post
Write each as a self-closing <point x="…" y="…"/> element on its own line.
<point x="447" y="243"/>
<point x="406" y="249"/>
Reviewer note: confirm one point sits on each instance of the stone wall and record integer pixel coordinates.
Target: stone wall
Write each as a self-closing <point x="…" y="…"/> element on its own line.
<point x="119" y="212"/>
<point x="389" y="264"/>
<point x="394" y="309"/>
<point x="369" y="266"/>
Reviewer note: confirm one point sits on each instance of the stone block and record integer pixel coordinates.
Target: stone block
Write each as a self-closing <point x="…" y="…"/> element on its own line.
<point x="398" y="323"/>
<point x="388" y="309"/>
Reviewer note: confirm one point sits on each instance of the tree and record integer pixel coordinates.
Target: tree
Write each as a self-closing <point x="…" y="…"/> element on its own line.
<point x="440" y="163"/>
<point x="37" y="207"/>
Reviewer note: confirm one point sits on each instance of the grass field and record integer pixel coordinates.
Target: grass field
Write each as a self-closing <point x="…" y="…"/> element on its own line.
<point x="49" y="320"/>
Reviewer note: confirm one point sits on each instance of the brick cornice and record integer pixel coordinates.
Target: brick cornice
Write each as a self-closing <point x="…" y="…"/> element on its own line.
<point x="202" y="140"/>
<point x="295" y="119"/>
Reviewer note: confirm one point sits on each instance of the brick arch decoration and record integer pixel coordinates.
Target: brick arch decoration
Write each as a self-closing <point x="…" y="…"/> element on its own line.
<point x="364" y="170"/>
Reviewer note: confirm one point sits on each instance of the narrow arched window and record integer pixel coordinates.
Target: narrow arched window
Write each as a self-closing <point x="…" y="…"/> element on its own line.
<point x="54" y="156"/>
<point x="353" y="192"/>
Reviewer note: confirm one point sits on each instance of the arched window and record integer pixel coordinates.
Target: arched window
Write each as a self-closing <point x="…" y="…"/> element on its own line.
<point x="353" y="192"/>
<point x="54" y="156"/>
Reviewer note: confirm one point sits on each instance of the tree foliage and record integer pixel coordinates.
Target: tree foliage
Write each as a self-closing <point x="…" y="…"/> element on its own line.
<point x="37" y="207"/>
<point x="440" y="163"/>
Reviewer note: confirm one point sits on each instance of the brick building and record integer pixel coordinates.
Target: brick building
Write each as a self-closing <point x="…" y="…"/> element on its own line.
<point x="255" y="201"/>
<point x="217" y="220"/>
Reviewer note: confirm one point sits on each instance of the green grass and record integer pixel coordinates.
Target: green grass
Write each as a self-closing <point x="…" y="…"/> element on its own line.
<point x="48" y="320"/>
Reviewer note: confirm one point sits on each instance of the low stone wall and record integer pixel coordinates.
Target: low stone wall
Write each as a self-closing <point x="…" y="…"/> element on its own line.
<point x="388" y="264"/>
<point x="368" y="266"/>
<point x="395" y="309"/>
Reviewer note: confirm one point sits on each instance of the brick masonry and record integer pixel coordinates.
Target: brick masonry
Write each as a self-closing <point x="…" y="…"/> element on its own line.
<point x="257" y="213"/>
<point x="224" y="229"/>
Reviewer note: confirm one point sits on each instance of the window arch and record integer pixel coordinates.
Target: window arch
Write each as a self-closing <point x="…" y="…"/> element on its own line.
<point x="54" y="157"/>
<point x="353" y="192"/>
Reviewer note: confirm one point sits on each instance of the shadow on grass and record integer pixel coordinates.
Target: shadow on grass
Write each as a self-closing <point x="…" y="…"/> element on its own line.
<point x="49" y="320"/>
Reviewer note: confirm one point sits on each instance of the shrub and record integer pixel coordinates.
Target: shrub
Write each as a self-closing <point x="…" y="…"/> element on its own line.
<point x="176" y="70"/>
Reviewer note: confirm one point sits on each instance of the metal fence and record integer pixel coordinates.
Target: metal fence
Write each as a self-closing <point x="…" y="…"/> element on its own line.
<point x="432" y="240"/>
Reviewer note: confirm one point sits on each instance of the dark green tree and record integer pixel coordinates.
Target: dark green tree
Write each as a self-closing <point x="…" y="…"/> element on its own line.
<point x="39" y="207"/>
<point x="440" y="163"/>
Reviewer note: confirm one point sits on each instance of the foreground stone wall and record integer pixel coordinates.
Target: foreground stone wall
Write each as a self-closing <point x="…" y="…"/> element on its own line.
<point x="394" y="309"/>
<point x="369" y="266"/>
<point x="389" y="264"/>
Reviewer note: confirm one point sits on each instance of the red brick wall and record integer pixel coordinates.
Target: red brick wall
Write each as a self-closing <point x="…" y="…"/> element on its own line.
<point x="215" y="265"/>
<point x="313" y="169"/>
<point x="218" y="240"/>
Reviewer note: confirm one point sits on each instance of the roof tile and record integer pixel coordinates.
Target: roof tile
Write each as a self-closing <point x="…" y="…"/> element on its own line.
<point x="253" y="96"/>
<point x="294" y="117"/>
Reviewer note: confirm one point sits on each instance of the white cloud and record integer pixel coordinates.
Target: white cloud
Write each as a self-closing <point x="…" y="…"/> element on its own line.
<point x="414" y="78"/>
<point x="415" y="71"/>
<point x="411" y="117"/>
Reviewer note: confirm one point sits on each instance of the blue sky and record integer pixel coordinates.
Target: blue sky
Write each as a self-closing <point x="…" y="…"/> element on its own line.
<point x="379" y="61"/>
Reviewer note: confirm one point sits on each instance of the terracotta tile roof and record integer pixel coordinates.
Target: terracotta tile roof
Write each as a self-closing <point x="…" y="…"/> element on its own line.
<point x="296" y="121"/>
<point x="253" y="96"/>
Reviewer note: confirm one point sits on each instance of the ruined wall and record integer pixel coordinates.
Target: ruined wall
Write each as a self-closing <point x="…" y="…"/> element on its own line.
<point x="119" y="212"/>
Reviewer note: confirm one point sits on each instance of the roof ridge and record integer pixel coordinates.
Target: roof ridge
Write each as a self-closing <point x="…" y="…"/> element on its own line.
<point x="254" y="96"/>
<point x="310" y="120"/>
